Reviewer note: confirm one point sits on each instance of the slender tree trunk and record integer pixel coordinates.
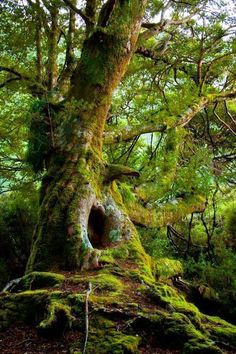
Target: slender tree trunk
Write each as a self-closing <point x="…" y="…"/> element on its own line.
<point x="78" y="215"/>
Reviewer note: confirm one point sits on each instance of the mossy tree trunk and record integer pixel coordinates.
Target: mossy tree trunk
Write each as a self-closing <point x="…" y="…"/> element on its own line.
<point x="78" y="214"/>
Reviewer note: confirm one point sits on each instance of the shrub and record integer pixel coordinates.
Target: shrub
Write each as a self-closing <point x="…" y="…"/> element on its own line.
<point x="18" y="214"/>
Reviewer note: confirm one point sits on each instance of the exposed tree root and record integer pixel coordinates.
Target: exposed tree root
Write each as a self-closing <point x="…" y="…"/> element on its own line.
<point x="128" y="314"/>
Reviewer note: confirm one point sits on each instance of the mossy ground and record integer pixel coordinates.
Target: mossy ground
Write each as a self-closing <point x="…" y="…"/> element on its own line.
<point x="126" y="315"/>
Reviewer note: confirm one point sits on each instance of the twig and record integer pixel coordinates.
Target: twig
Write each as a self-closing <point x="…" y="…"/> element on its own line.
<point x="86" y="317"/>
<point x="221" y="120"/>
<point x="86" y="19"/>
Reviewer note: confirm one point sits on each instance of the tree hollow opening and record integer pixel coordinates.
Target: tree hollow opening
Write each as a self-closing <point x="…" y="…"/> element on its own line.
<point x="96" y="226"/>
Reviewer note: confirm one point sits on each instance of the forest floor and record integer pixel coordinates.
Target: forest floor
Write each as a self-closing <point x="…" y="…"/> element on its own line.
<point x="25" y="340"/>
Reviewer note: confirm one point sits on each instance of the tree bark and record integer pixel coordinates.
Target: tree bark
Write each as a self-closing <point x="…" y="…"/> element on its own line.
<point x="78" y="214"/>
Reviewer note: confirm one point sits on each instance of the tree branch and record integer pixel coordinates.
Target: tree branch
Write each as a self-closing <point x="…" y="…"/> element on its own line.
<point x="32" y="84"/>
<point x="221" y="120"/>
<point x="11" y="71"/>
<point x="53" y="48"/>
<point x="129" y="132"/>
<point x="155" y="28"/>
<point x="203" y="102"/>
<point x="70" y="62"/>
<point x="166" y="214"/>
<point x="116" y="171"/>
<point x="8" y="81"/>
<point x="86" y="19"/>
<point x="106" y="12"/>
<point x="191" y="112"/>
<point x="38" y="40"/>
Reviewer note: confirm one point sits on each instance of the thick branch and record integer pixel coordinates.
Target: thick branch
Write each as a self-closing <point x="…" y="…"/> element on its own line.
<point x="167" y="214"/>
<point x="191" y="112"/>
<point x="106" y="12"/>
<point x="116" y="171"/>
<point x="155" y="28"/>
<point x="90" y="9"/>
<point x="203" y="102"/>
<point x="129" y="132"/>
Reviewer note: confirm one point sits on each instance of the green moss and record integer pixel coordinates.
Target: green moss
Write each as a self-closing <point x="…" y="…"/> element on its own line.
<point x="193" y="347"/>
<point x="58" y="319"/>
<point x="169" y="267"/>
<point x="109" y="341"/>
<point x="172" y="300"/>
<point x="105" y="323"/>
<point x="107" y="282"/>
<point x="173" y="321"/>
<point x="103" y="281"/>
<point x="221" y="330"/>
<point x="37" y="280"/>
<point x="26" y="307"/>
<point x="142" y="260"/>
<point x="107" y="257"/>
<point x="115" y="235"/>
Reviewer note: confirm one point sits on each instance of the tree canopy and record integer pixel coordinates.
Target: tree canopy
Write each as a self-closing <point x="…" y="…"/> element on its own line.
<point x="177" y="95"/>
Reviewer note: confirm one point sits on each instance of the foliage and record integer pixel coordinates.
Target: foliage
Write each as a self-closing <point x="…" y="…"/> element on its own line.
<point x="17" y="222"/>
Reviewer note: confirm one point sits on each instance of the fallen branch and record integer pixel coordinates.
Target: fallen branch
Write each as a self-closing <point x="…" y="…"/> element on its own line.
<point x="86" y="317"/>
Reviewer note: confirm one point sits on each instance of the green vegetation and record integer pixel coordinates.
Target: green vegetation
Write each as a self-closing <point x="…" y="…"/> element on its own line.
<point x="117" y="175"/>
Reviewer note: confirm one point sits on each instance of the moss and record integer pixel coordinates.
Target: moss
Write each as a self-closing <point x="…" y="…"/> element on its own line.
<point x="115" y="235"/>
<point x="38" y="280"/>
<point x="103" y="322"/>
<point x="173" y="322"/>
<point x="26" y="307"/>
<point x="193" y="347"/>
<point x="142" y="259"/>
<point x="107" y="257"/>
<point x="107" y="282"/>
<point x="221" y="330"/>
<point x="169" y="267"/>
<point x="58" y="319"/>
<point x="172" y="300"/>
<point x="103" y="281"/>
<point x="109" y="341"/>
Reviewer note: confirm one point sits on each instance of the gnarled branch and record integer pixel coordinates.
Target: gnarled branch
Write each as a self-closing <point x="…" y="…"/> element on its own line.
<point x="129" y="132"/>
<point x="167" y="214"/>
<point x="116" y="171"/>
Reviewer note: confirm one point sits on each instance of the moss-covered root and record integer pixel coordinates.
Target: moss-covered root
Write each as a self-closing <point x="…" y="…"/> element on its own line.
<point x="38" y="280"/>
<point x="59" y="318"/>
<point x="156" y="315"/>
<point x="186" y="327"/>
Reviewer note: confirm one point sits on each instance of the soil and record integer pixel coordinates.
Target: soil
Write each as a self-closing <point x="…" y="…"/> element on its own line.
<point x="25" y="340"/>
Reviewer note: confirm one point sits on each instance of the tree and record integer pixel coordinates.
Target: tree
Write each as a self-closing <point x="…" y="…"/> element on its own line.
<point x="125" y="104"/>
<point x="72" y="69"/>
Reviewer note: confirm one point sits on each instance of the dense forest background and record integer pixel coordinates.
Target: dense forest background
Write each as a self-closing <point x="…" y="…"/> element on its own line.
<point x="171" y="125"/>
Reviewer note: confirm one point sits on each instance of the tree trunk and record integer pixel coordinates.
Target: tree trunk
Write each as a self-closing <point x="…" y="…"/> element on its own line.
<point x="78" y="215"/>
